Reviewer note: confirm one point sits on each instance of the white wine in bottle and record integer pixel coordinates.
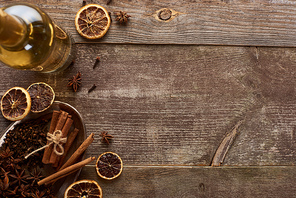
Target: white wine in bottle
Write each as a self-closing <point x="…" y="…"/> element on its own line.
<point x="30" y="40"/>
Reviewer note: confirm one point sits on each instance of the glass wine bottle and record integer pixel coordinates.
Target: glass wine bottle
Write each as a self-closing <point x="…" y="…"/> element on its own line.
<point x="30" y="40"/>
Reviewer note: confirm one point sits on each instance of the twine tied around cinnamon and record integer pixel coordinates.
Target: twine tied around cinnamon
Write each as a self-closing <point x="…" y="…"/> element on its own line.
<point x="54" y="138"/>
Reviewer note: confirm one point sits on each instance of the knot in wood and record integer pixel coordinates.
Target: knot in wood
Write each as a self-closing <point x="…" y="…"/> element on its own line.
<point x="165" y="14"/>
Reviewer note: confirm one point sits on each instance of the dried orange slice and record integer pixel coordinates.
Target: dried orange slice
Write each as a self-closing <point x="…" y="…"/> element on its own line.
<point x="92" y="21"/>
<point x="84" y="188"/>
<point x="42" y="96"/>
<point x="109" y="165"/>
<point x="15" y="104"/>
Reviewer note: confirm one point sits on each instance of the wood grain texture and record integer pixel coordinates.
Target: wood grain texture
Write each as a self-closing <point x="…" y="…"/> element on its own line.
<point x="198" y="182"/>
<point x="172" y="105"/>
<point x="217" y="22"/>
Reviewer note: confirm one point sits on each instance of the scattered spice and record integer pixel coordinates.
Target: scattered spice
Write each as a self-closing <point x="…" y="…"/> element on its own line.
<point x="97" y="61"/>
<point x="106" y="137"/>
<point x="92" y="88"/>
<point x="122" y="17"/>
<point x="108" y="2"/>
<point x="75" y="81"/>
<point x="83" y="3"/>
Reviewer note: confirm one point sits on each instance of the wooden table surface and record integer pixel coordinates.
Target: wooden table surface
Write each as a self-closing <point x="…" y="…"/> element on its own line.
<point x="170" y="91"/>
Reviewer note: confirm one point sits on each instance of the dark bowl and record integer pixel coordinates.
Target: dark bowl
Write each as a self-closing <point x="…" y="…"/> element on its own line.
<point x="60" y="186"/>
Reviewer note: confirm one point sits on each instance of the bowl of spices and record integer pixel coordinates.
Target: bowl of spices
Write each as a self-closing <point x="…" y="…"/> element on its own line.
<point x="29" y="156"/>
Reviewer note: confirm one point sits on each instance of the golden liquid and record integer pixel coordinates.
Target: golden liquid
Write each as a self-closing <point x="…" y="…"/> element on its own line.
<point x="46" y="47"/>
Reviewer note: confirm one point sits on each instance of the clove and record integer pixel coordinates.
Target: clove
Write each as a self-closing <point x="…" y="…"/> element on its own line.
<point x="96" y="62"/>
<point x="92" y="88"/>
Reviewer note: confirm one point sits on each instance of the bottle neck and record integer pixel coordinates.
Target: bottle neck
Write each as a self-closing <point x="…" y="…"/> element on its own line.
<point x="12" y="30"/>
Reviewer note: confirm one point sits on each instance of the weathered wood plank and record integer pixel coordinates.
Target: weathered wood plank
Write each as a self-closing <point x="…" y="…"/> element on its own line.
<point x="191" y="182"/>
<point x="217" y="22"/>
<point x="174" y="104"/>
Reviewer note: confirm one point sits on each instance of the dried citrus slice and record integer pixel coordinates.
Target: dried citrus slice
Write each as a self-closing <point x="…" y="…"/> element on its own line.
<point x="42" y="96"/>
<point x="109" y="165"/>
<point x="15" y="104"/>
<point x="84" y="188"/>
<point x="92" y="21"/>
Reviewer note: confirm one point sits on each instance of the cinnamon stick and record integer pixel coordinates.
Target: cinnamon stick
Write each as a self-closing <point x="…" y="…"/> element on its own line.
<point x="67" y="146"/>
<point x="53" y="123"/>
<point x="61" y="122"/>
<point x="64" y="172"/>
<point x="59" y="125"/>
<point x="65" y="175"/>
<point x="79" y="151"/>
<point x="54" y="157"/>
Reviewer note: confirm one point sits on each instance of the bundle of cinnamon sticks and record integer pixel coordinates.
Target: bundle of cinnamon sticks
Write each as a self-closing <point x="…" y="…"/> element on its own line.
<point x="62" y="121"/>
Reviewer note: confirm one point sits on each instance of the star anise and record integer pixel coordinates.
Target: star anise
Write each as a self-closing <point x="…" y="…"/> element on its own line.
<point x="49" y="193"/>
<point x="75" y="81"/>
<point x="12" y="192"/>
<point x="38" y="194"/>
<point x="106" y="137"/>
<point x="19" y="177"/>
<point x="6" y="153"/>
<point x="122" y="17"/>
<point x="25" y="190"/>
<point x="13" y="163"/>
<point x="35" y="176"/>
<point x="3" y="191"/>
<point x="5" y="183"/>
